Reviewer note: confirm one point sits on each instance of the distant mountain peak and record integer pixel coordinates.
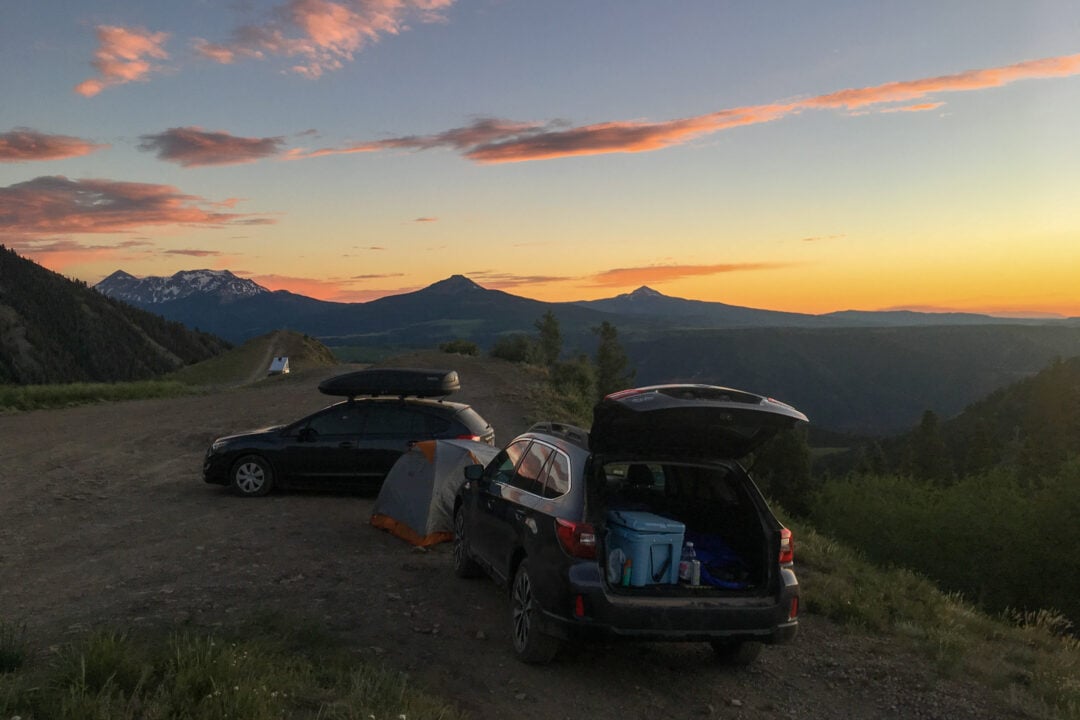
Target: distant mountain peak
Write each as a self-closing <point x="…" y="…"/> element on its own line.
<point x="453" y="285"/>
<point x="645" y="292"/>
<point x="152" y="290"/>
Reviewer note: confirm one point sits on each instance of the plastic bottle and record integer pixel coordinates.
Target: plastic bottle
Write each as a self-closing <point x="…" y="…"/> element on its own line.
<point x="627" y="572"/>
<point x="686" y="562"/>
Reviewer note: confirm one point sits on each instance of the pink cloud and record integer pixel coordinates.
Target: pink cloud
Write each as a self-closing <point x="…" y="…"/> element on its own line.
<point x="55" y="205"/>
<point x="426" y="220"/>
<point x="494" y="140"/>
<point x="194" y="147"/>
<point x="24" y="144"/>
<point x="124" y="55"/>
<point x="322" y="34"/>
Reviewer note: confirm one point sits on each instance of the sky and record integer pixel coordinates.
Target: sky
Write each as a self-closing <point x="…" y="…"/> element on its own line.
<point x="807" y="157"/>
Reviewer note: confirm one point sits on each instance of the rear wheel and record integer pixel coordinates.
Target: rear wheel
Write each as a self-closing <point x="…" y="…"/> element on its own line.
<point x="251" y="476"/>
<point x="736" y="652"/>
<point x="530" y="645"/>
<point x="464" y="565"/>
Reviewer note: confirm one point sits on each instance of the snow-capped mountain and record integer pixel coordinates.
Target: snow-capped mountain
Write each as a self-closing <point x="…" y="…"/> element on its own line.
<point x="152" y="290"/>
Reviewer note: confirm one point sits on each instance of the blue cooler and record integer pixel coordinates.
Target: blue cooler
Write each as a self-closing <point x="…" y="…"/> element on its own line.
<point x="652" y="543"/>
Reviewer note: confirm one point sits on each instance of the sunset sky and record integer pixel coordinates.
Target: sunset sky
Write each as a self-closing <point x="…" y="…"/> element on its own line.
<point x="788" y="155"/>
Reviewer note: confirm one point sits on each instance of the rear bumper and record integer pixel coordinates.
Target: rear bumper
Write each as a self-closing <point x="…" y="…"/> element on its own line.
<point x="710" y="615"/>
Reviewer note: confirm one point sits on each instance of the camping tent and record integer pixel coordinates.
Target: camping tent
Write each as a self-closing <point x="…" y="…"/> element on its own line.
<point x="279" y="366"/>
<point x="416" y="501"/>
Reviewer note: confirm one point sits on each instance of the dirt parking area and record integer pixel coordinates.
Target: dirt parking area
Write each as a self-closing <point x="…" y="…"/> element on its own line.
<point x="105" y="520"/>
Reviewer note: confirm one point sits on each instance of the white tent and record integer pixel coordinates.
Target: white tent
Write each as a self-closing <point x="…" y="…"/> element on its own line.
<point x="416" y="501"/>
<point x="279" y="366"/>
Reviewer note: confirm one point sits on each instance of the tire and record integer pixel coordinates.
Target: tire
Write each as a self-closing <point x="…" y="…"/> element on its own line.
<point x="251" y="476"/>
<point x="464" y="565"/>
<point x="738" y="653"/>
<point x="530" y="645"/>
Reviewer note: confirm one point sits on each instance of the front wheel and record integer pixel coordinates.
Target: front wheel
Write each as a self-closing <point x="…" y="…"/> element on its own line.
<point x="464" y="565"/>
<point x="530" y="645"/>
<point x="737" y="652"/>
<point x="251" y="476"/>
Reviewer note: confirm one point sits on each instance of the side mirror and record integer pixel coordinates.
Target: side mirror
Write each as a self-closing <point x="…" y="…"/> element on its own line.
<point x="474" y="472"/>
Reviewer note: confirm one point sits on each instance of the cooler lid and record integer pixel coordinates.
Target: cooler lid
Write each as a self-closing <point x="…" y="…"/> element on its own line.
<point x="644" y="521"/>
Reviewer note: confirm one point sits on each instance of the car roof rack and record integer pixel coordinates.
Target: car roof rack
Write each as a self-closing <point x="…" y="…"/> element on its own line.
<point x="569" y="432"/>
<point x="393" y="382"/>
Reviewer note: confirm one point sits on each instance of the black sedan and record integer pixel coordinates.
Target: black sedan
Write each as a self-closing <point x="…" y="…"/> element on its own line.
<point x="349" y="444"/>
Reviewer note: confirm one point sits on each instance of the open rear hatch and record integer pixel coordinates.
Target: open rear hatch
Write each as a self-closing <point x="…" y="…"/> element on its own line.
<point x="692" y="421"/>
<point x="666" y="475"/>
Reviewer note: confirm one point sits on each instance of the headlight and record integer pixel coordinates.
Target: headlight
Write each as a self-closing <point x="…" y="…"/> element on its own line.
<point x="217" y="445"/>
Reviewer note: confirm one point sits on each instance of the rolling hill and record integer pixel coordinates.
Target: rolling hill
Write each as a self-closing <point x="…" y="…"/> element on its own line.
<point x="55" y="330"/>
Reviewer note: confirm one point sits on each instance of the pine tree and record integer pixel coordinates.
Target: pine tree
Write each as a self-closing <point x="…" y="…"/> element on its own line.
<point x="612" y="373"/>
<point x="549" y="344"/>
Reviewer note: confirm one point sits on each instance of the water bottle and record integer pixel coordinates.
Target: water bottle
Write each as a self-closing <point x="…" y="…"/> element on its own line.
<point x="686" y="562"/>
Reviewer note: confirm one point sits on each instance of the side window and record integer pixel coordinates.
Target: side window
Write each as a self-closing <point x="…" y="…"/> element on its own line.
<point x="557" y="476"/>
<point x="344" y="419"/>
<point x="528" y="475"/>
<point x="393" y="419"/>
<point x="501" y="468"/>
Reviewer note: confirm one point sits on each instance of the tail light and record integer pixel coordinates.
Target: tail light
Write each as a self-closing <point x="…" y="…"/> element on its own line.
<point x="793" y="611"/>
<point x="578" y="539"/>
<point x="474" y="438"/>
<point x="787" y="547"/>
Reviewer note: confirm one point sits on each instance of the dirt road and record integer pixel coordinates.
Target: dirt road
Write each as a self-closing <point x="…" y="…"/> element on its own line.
<point x="104" y="519"/>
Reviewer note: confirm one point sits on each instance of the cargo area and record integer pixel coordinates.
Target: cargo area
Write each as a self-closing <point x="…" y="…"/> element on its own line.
<point x="646" y="513"/>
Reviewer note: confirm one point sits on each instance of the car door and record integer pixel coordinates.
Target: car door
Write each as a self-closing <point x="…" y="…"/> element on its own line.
<point x="516" y="506"/>
<point x="324" y="448"/>
<point x="488" y="500"/>
<point x="390" y="429"/>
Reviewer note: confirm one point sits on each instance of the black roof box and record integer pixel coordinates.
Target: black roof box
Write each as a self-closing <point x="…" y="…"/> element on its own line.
<point x="393" y="381"/>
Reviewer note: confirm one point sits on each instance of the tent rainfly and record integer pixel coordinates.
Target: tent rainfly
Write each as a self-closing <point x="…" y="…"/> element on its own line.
<point x="416" y="502"/>
<point x="280" y="366"/>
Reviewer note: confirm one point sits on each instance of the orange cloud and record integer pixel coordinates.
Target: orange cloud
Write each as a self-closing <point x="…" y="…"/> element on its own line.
<point x="194" y="147"/>
<point x="23" y="144"/>
<point x="425" y="220"/>
<point x="921" y="107"/>
<point x="493" y="140"/>
<point x="123" y="55"/>
<point x="194" y="253"/>
<point x="500" y="280"/>
<point x="323" y="34"/>
<point x="54" y="205"/>
<point x="620" y="277"/>
<point x="329" y="289"/>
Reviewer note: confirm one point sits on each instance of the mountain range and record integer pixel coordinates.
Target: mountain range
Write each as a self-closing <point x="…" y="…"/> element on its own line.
<point x="858" y="372"/>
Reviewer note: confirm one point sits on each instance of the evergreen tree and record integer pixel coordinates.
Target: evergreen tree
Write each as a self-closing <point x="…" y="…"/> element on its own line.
<point x="782" y="467"/>
<point x="549" y="345"/>
<point x="612" y="373"/>
<point x="929" y="456"/>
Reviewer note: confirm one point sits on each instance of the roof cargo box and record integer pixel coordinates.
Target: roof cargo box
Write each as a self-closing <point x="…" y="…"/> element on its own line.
<point x="393" y="381"/>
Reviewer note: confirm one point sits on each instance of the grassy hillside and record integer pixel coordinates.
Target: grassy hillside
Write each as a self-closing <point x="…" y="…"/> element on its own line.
<point x="54" y="330"/>
<point x="250" y="361"/>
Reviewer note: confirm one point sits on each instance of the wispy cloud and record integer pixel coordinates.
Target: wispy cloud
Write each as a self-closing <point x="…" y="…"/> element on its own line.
<point x="54" y="205"/>
<point x="23" y="144"/>
<point x="194" y="253"/>
<point x="124" y="55"/>
<point x="496" y="140"/>
<point x="502" y="280"/>
<point x="920" y="107"/>
<point x="194" y="147"/>
<point x="322" y="34"/>
<point x="425" y="219"/>
<point x="634" y="276"/>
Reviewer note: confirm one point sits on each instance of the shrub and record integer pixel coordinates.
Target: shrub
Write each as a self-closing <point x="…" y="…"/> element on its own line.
<point x="460" y="347"/>
<point x="515" y="348"/>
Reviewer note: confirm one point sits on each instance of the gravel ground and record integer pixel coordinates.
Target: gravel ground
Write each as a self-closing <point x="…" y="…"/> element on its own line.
<point x="105" y="520"/>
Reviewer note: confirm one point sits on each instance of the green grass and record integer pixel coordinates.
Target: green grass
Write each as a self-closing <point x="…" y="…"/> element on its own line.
<point x="272" y="667"/>
<point x="14" y="649"/>
<point x="38" y="397"/>
<point x="1029" y="660"/>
